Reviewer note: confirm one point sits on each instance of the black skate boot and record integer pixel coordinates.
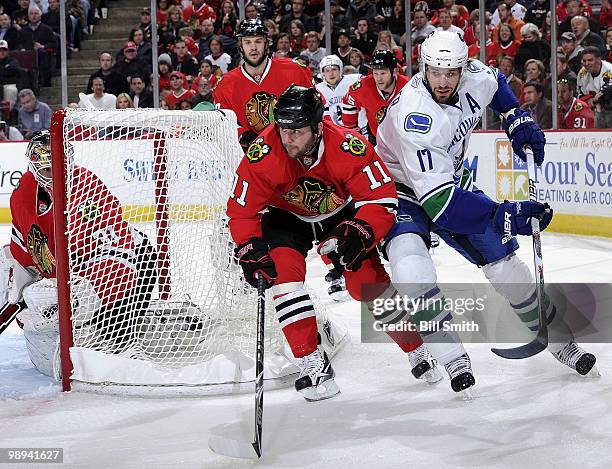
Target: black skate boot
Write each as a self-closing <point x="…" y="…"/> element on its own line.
<point x="423" y="365"/>
<point x="577" y="359"/>
<point x="316" y="381"/>
<point x="460" y="373"/>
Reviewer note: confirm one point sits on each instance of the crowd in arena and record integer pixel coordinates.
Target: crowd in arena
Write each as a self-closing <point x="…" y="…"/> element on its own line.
<point x="197" y="46"/>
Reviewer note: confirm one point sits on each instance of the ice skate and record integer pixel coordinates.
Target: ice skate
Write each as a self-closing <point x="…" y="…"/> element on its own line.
<point x="337" y="289"/>
<point x="462" y="379"/>
<point x="423" y="365"/>
<point x="316" y="381"/>
<point x="577" y="359"/>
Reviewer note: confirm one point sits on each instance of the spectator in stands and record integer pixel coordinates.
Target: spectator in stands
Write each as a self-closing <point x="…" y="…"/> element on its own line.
<point x="178" y="92"/>
<point x="364" y="39"/>
<point x="357" y="60"/>
<point x="595" y="85"/>
<point x="585" y="37"/>
<point x="273" y="31"/>
<point x="140" y="95"/>
<point x="384" y="11"/>
<point x="297" y="13"/>
<point x="507" y="46"/>
<point x="344" y="46"/>
<point x="386" y="42"/>
<point x="204" y="92"/>
<point x="40" y="38"/>
<point x="445" y="22"/>
<point x="297" y="36"/>
<point x="19" y="17"/>
<point x="207" y="30"/>
<point x="144" y="51"/>
<point x="183" y="61"/>
<point x="572" y="51"/>
<point x="532" y="47"/>
<point x="534" y="71"/>
<point x="251" y="11"/>
<point x="10" y="70"/>
<point x="396" y="23"/>
<point x="145" y="23"/>
<point x="217" y="56"/>
<point x="334" y="31"/>
<point x="52" y="19"/>
<point x="114" y="82"/>
<point x="283" y="46"/>
<point x="98" y="99"/>
<point x="33" y="115"/>
<point x="207" y="72"/>
<point x="564" y="72"/>
<point x="459" y="14"/>
<point x="130" y="64"/>
<point x="8" y="133"/>
<point x="313" y="51"/>
<point x="537" y="104"/>
<point x="162" y="11"/>
<point x="505" y="16"/>
<point x="576" y="8"/>
<point x="609" y="44"/>
<point x="197" y="12"/>
<point x="8" y="33"/>
<point x="227" y="21"/>
<point x="185" y="105"/>
<point x="164" y="65"/>
<point x="492" y="49"/>
<point x="605" y="15"/>
<point x="518" y="11"/>
<point x="359" y="9"/>
<point x="506" y="66"/>
<point x="537" y="12"/>
<point x="174" y="24"/>
<point x="124" y="102"/>
<point x="573" y="113"/>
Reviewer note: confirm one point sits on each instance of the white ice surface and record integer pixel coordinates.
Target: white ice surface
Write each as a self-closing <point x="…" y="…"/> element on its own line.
<point x="530" y="413"/>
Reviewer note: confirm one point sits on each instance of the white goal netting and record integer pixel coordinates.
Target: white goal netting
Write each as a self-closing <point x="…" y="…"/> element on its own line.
<point x="156" y="300"/>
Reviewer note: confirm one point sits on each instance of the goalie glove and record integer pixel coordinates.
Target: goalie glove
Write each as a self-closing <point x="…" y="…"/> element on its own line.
<point x="254" y="258"/>
<point x="512" y="218"/>
<point x="351" y="240"/>
<point x="13" y="277"/>
<point x="522" y="131"/>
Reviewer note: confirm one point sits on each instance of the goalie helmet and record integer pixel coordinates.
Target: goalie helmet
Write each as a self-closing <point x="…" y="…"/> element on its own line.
<point x="298" y="107"/>
<point x="39" y="158"/>
<point x="443" y="49"/>
<point x="331" y="61"/>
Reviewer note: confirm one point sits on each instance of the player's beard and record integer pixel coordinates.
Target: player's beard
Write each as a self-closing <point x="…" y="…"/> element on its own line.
<point x="254" y="64"/>
<point x="309" y="149"/>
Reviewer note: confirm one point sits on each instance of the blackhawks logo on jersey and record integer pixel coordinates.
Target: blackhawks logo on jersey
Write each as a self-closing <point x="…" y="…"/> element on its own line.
<point x="356" y="85"/>
<point x="313" y="196"/>
<point x="381" y="113"/>
<point x="353" y="145"/>
<point x="259" y="110"/>
<point x="257" y="150"/>
<point x="89" y="210"/>
<point x="36" y="242"/>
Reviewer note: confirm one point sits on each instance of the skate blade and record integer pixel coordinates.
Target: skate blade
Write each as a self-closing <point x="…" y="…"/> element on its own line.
<point x="432" y="376"/>
<point x="325" y="390"/>
<point x="593" y="373"/>
<point x="467" y="394"/>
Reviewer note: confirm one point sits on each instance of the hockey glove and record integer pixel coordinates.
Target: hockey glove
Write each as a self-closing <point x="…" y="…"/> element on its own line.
<point x="353" y="239"/>
<point x="523" y="131"/>
<point x="512" y="218"/>
<point x="254" y="258"/>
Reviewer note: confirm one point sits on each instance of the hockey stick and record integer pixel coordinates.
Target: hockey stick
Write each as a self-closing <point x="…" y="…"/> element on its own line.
<point x="9" y="312"/>
<point x="240" y="449"/>
<point x="541" y="341"/>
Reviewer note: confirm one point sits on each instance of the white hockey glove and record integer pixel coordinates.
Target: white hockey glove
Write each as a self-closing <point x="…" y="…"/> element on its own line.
<point x="14" y="277"/>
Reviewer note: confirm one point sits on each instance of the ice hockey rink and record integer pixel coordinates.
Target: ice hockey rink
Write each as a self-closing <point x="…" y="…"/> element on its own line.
<point x="526" y="413"/>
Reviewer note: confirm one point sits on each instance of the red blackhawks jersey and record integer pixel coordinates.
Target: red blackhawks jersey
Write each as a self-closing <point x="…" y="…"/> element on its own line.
<point x="364" y="94"/>
<point x="578" y="116"/>
<point x="98" y="216"/>
<point x="253" y="102"/>
<point x="346" y="168"/>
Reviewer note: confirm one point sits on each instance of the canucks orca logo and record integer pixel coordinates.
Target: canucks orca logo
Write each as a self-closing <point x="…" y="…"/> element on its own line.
<point x="417" y="122"/>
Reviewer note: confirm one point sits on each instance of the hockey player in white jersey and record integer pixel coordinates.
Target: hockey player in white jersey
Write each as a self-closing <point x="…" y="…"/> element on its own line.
<point x="422" y="141"/>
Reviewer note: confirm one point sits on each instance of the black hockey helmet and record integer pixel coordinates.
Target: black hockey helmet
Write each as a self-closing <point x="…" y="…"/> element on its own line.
<point x="298" y="107"/>
<point x="252" y="27"/>
<point x="383" y="59"/>
<point x="38" y="154"/>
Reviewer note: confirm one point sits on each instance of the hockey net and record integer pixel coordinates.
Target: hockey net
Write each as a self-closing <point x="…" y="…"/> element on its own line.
<point x="192" y="328"/>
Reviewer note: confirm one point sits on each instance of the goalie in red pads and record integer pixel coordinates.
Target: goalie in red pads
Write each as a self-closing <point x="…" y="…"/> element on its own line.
<point x="114" y="263"/>
<point x="318" y="181"/>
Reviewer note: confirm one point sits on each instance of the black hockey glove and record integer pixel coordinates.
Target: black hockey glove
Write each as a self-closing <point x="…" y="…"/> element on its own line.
<point x="512" y="218"/>
<point x="347" y="245"/>
<point x="247" y="138"/>
<point x="254" y="258"/>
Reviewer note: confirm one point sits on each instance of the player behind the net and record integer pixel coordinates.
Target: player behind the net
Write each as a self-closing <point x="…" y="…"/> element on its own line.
<point x="422" y="141"/>
<point x="113" y="264"/>
<point x="318" y="182"/>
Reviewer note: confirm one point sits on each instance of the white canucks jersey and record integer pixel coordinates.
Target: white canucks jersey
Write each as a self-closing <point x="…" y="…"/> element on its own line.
<point x="423" y="142"/>
<point x="333" y="97"/>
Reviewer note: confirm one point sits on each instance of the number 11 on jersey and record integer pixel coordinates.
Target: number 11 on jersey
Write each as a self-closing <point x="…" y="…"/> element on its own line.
<point x="245" y="187"/>
<point x="374" y="182"/>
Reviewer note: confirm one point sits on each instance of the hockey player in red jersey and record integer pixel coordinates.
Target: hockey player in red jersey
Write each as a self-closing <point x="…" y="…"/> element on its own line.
<point x="252" y="89"/>
<point x="373" y="93"/>
<point x="318" y="181"/>
<point x="113" y="263"/>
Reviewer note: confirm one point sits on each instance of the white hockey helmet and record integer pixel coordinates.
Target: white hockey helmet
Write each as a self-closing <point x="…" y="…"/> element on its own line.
<point x="443" y="49"/>
<point x="331" y="60"/>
